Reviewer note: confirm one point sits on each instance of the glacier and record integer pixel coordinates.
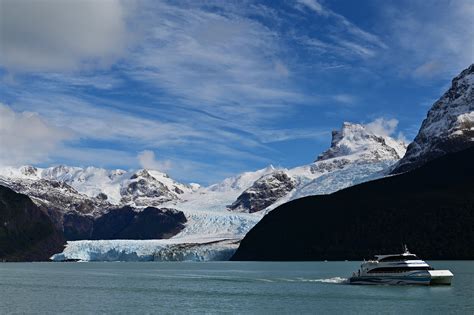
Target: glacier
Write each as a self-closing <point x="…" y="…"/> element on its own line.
<point x="189" y="249"/>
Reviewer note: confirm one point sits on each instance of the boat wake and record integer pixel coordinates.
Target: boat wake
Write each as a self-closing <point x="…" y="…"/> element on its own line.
<point x="334" y="280"/>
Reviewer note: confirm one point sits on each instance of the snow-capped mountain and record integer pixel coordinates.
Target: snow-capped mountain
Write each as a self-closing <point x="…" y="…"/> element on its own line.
<point x="148" y="187"/>
<point x="55" y="195"/>
<point x="355" y="142"/>
<point x="448" y="127"/>
<point x="101" y="188"/>
<point x="356" y="155"/>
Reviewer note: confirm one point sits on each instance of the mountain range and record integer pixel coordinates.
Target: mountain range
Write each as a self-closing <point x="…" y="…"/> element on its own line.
<point x="85" y="202"/>
<point x="94" y="203"/>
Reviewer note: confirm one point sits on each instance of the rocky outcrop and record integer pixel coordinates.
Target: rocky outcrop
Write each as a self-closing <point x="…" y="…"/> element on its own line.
<point x="448" y="127"/>
<point x="143" y="189"/>
<point x="264" y="192"/>
<point x="26" y="231"/>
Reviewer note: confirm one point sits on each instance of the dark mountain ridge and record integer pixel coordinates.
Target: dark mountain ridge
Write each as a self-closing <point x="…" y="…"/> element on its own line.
<point x="27" y="233"/>
<point x="431" y="209"/>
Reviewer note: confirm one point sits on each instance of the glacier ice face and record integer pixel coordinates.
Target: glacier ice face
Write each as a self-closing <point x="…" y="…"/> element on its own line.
<point x="148" y="250"/>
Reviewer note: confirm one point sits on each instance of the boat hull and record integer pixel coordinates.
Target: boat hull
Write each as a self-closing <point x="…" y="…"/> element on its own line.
<point x="432" y="277"/>
<point x="391" y="280"/>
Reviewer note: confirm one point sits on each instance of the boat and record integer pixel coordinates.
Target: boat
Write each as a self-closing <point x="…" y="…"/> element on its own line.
<point x="401" y="269"/>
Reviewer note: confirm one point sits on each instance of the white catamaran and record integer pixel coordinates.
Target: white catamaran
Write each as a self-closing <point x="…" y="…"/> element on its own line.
<point x="404" y="268"/>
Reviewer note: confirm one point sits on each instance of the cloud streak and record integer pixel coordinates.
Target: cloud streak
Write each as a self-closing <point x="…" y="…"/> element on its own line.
<point x="435" y="42"/>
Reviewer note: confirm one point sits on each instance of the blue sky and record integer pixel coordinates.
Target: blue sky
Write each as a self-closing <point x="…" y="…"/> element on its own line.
<point x="205" y="90"/>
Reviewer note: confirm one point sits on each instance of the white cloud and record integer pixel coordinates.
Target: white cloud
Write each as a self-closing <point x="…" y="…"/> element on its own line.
<point x="26" y="138"/>
<point x="382" y="126"/>
<point x="147" y="160"/>
<point x="60" y="35"/>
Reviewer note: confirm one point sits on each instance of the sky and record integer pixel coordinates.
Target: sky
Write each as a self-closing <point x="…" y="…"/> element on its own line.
<point x="204" y="90"/>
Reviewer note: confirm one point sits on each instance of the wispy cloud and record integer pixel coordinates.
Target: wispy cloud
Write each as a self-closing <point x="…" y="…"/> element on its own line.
<point x="217" y="61"/>
<point x="434" y="41"/>
<point x="344" y="98"/>
<point x="346" y="38"/>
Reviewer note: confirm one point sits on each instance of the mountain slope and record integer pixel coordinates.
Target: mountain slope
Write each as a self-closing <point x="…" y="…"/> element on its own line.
<point x="356" y="155"/>
<point x="431" y="209"/>
<point x="448" y="127"/>
<point x="26" y="232"/>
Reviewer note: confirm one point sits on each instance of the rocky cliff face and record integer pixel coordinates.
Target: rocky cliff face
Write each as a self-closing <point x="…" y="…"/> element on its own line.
<point x="125" y="223"/>
<point x="264" y="192"/>
<point x="26" y="231"/>
<point x="448" y="127"/>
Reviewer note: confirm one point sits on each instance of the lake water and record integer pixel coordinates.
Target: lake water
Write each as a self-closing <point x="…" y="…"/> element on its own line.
<point x="221" y="287"/>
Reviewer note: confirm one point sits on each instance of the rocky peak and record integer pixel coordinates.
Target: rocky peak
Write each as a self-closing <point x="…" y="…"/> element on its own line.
<point x="448" y="127"/>
<point x="358" y="141"/>
<point x="142" y="173"/>
<point x="242" y="181"/>
<point x="29" y="171"/>
<point x="56" y="172"/>
<point x="264" y="192"/>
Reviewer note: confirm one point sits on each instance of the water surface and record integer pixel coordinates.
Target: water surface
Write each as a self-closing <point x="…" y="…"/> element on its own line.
<point x="218" y="287"/>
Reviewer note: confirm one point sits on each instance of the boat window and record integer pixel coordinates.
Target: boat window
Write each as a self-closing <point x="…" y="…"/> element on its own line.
<point x="400" y="257"/>
<point x="397" y="269"/>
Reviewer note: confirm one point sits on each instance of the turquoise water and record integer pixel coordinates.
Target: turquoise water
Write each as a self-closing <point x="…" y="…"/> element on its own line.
<point x="220" y="287"/>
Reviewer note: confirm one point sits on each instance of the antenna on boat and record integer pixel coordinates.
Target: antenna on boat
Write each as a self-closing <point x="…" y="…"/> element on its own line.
<point x="405" y="249"/>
